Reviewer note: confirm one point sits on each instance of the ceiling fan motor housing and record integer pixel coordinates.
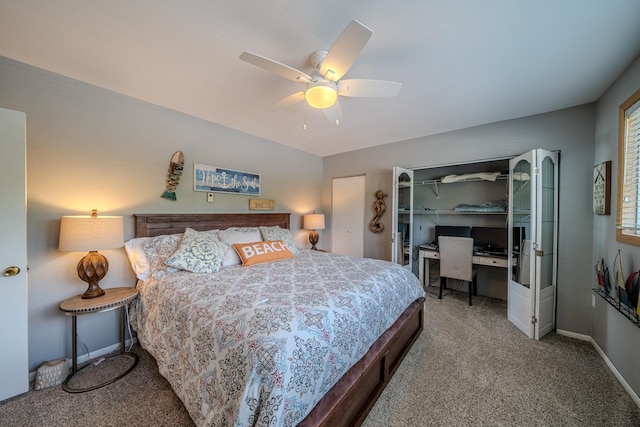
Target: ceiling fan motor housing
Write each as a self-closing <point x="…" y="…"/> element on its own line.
<point x="317" y="57"/>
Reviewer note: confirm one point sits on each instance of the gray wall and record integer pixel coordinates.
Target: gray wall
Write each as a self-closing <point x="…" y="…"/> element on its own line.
<point x="571" y="131"/>
<point x="617" y="337"/>
<point x="91" y="148"/>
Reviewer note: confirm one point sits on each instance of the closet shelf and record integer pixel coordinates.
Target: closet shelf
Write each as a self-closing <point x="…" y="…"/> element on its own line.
<point x="500" y="177"/>
<point x="447" y="212"/>
<point x="472" y="178"/>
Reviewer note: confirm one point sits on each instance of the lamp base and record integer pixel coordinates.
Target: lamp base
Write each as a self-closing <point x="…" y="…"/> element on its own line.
<point x="313" y="239"/>
<point x="93" y="291"/>
<point x="91" y="269"/>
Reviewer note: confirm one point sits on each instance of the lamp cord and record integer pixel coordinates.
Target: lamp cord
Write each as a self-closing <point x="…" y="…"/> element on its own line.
<point x="126" y="312"/>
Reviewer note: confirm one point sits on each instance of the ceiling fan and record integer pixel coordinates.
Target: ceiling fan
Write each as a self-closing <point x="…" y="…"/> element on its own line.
<point x="324" y="84"/>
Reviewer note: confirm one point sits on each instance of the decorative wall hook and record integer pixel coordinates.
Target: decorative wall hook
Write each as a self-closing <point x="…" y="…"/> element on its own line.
<point x="379" y="208"/>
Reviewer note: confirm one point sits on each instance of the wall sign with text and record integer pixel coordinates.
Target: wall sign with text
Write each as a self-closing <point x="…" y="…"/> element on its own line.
<point x="602" y="188"/>
<point x="211" y="178"/>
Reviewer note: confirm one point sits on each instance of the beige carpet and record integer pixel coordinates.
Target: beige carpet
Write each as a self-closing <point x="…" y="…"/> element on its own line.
<point x="470" y="367"/>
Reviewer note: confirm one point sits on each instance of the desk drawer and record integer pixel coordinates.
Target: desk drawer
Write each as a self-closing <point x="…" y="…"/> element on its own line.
<point x="491" y="261"/>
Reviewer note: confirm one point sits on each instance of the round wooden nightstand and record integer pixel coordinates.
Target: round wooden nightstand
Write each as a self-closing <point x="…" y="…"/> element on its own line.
<point x="76" y="306"/>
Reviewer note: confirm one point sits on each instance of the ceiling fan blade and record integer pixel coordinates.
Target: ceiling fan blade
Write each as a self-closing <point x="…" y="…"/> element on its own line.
<point x="368" y="88"/>
<point x="345" y="50"/>
<point x="275" y="67"/>
<point x="334" y="113"/>
<point x="287" y="101"/>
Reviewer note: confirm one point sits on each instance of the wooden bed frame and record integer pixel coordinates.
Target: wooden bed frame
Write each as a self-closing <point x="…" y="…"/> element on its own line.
<point x="353" y="396"/>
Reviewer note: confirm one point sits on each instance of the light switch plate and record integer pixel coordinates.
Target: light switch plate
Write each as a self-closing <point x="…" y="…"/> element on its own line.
<point x="210" y="197"/>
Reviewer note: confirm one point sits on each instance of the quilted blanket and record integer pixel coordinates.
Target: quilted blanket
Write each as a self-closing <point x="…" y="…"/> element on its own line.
<point x="261" y="345"/>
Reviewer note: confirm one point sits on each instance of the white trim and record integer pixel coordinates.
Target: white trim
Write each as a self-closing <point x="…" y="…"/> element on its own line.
<point x="608" y="362"/>
<point x="574" y="335"/>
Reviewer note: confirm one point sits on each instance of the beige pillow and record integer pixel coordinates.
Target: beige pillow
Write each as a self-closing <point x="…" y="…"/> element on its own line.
<point x="265" y="251"/>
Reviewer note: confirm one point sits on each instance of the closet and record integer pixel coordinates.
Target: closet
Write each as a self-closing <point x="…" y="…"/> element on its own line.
<point x="514" y="198"/>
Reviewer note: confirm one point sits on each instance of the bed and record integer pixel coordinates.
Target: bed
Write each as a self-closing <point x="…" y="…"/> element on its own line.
<point x="270" y="356"/>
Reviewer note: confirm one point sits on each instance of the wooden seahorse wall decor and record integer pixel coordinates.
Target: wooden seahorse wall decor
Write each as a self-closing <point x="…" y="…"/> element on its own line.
<point x="379" y="208"/>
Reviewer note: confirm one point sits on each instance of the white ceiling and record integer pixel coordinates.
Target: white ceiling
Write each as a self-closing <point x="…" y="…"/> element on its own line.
<point x="462" y="62"/>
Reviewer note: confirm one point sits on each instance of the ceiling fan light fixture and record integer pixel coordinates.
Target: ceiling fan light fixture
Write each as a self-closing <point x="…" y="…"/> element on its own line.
<point x="321" y="94"/>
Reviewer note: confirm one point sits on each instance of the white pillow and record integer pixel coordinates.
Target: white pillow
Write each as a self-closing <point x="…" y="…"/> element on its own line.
<point x="277" y="233"/>
<point x="137" y="258"/>
<point x="232" y="236"/>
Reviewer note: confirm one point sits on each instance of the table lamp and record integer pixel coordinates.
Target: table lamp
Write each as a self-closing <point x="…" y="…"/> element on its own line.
<point x="313" y="222"/>
<point x="91" y="233"/>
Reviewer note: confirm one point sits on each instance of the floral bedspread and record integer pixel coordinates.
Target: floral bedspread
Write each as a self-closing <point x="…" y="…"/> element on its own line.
<point x="261" y="345"/>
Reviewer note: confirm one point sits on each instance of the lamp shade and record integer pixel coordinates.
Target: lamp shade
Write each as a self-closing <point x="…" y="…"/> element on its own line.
<point x="91" y="233"/>
<point x="313" y="222"/>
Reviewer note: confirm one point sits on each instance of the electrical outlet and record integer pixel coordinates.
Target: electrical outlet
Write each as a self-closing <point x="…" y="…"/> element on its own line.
<point x="210" y="197"/>
<point x="593" y="300"/>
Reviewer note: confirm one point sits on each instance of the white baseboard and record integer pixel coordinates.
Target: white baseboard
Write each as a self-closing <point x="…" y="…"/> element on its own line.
<point x="83" y="358"/>
<point x="608" y="362"/>
<point x="570" y="334"/>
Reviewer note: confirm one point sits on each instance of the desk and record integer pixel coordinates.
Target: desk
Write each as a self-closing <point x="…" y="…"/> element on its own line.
<point x="426" y="254"/>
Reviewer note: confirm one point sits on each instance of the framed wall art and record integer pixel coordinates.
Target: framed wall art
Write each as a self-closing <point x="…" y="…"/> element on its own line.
<point x="221" y="180"/>
<point x="602" y="188"/>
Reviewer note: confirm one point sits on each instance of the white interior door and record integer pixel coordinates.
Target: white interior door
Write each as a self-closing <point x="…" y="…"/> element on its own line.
<point x="547" y="242"/>
<point x="533" y="218"/>
<point x="522" y="191"/>
<point x="14" y="369"/>
<point x="402" y="217"/>
<point x="347" y="216"/>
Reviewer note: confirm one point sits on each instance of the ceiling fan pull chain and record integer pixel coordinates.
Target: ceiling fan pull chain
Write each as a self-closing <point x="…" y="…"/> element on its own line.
<point x="304" y="119"/>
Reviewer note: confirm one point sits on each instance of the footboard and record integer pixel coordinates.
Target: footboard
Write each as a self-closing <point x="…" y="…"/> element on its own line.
<point x="351" y="399"/>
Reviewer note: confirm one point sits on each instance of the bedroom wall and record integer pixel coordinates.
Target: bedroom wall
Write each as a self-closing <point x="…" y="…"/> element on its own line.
<point x="91" y="148"/>
<point x="615" y="335"/>
<point x="570" y="130"/>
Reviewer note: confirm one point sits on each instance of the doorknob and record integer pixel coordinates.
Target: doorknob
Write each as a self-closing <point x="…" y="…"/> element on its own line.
<point x="11" y="271"/>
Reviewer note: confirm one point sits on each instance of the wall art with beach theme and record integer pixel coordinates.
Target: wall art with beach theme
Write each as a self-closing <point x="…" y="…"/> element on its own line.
<point x="602" y="188"/>
<point x="221" y="180"/>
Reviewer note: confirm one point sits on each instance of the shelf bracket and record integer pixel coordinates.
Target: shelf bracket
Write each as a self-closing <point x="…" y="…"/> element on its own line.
<point x="435" y="189"/>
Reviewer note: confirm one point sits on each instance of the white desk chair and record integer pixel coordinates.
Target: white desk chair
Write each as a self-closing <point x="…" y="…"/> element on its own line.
<point x="456" y="262"/>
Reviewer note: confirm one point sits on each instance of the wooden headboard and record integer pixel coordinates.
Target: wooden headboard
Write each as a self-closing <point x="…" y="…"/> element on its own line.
<point x="149" y="225"/>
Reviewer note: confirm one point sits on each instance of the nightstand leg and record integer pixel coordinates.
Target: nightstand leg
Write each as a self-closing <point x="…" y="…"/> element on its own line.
<point x="74" y="339"/>
<point x="122" y="329"/>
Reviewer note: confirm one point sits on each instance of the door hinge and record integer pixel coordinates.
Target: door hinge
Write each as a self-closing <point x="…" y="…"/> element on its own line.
<point x="534" y="320"/>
